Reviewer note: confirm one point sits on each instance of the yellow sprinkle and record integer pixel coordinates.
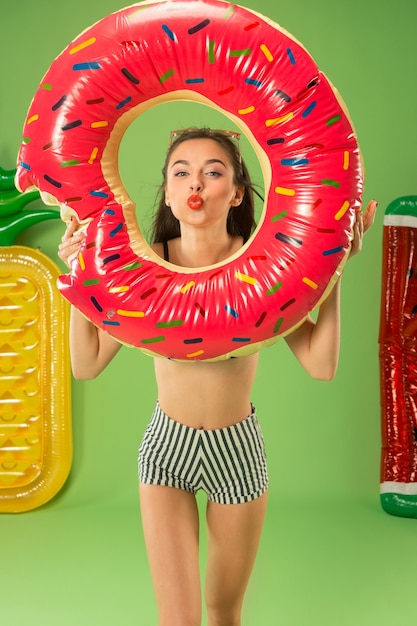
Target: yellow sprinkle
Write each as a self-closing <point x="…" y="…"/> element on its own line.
<point x="279" y="120"/>
<point x="99" y="124"/>
<point x="267" y="52"/>
<point x="346" y="160"/>
<point x="119" y="289"/>
<point x="93" y="155"/>
<point x="246" y="279"/>
<point x="310" y="282"/>
<point x="33" y="118"/>
<point x="83" y="45"/>
<point x="284" y="191"/>
<point x="187" y="287"/>
<point x="81" y="261"/>
<point x="194" y="354"/>
<point x="130" y="313"/>
<point x="343" y="210"/>
<point x="246" y="111"/>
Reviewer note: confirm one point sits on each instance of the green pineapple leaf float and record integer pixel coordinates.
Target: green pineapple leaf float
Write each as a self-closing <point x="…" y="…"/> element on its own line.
<point x="35" y="392"/>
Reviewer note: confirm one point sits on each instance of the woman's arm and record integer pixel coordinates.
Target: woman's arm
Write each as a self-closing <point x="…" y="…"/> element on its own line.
<point x="316" y="345"/>
<point x="91" y="348"/>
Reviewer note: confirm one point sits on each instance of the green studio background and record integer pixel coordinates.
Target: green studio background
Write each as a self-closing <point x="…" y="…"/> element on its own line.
<point x="329" y="554"/>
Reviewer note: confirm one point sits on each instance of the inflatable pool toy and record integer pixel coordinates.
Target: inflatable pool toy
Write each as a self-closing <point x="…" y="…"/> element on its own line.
<point x="253" y="71"/>
<point x="398" y="358"/>
<point x="35" y="391"/>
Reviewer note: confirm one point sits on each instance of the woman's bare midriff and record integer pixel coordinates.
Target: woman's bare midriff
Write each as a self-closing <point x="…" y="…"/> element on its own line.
<point x="206" y="395"/>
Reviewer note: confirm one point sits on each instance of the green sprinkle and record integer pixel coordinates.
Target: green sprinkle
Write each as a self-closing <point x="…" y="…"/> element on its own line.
<point x="47" y="86"/>
<point x="240" y="53"/>
<point x="133" y="266"/>
<point x="229" y="11"/>
<point x="333" y="120"/>
<point x="278" y="324"/>
<point x="69" y="163"/>
<point x="91" y="281"/>
<point x="279" y="216"/>
<point x="274" y="289"/>
<point x="167" y="75"/>
<point x="330" y="183"/>
<point x="26" y="139"/>
<point x="211" y="52"/>
<point x="170" y="324"/>
<point x="153" y="339"/>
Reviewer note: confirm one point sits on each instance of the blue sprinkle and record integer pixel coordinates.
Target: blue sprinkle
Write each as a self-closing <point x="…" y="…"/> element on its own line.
<point x="252" y="81"/>
<point x="116" y="230"/>
<point x="109" y="212"/>
<point x="229" y="309"/>
<point x="112" y="257"/>
<point x="91" y="65"/>
<point x="294" y="162"/>
<point x="333" y="251"/>
<point x="168" y="32"/>
<point x="275" y="140"/>
<point x="123" y="103"/>
<point x="291" y="56"/>
<point x="99" y="194"/>
<point x="110" y="323"/>
<point x="241" y="339"/>
<point x="308" y="109"/>
<point x="24" y="165"/>
<point x="191" y="81"/>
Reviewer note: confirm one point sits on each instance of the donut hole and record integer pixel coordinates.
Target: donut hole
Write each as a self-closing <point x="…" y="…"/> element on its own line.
<point x="144" y="145"/>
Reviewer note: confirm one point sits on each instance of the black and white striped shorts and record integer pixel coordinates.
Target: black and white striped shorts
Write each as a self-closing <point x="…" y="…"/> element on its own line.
<point x="229" y="463"/>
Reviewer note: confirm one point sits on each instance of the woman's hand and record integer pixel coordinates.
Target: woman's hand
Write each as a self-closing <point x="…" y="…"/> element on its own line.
<point x="71" y="241"/>
<point x="363" y="223"/>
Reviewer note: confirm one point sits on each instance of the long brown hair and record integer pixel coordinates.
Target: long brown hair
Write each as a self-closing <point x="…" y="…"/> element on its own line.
<point x="241" y="219"/>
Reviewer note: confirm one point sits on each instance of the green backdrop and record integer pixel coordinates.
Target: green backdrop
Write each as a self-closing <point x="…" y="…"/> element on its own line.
<point x="329" y="555"/>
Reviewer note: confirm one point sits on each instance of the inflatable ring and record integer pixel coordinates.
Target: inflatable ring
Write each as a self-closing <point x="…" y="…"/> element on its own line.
<point x="245" y="66"/>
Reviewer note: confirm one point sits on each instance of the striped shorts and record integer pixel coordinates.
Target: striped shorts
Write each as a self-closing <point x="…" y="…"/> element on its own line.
<point x="229" y="463"/>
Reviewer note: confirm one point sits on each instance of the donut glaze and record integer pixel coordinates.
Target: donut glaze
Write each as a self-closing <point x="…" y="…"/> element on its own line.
<point x="253" y="71"/>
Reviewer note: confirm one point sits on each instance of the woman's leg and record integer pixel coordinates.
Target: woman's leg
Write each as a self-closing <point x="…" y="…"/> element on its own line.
<point x="171" y="528"/>
<point x="234" y="531"/>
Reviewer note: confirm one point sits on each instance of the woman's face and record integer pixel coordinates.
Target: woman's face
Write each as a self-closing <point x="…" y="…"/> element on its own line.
<point x="200" y="186"/>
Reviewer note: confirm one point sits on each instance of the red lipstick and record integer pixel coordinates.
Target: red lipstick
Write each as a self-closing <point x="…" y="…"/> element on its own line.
<point x="195" y="202"/>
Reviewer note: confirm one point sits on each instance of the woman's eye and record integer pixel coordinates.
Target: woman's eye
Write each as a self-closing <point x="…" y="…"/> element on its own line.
<point x="180" y="173"/>
<point x="213" y="173"/>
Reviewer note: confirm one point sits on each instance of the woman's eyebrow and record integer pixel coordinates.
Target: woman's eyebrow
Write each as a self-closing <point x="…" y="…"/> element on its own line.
<point x="208" y="162"/>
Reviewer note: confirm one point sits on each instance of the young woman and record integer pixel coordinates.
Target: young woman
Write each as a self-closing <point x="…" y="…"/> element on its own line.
<point x="204" y="432"/>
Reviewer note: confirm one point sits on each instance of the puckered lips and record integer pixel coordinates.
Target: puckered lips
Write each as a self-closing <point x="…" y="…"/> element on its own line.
<point x="195" y="202"/>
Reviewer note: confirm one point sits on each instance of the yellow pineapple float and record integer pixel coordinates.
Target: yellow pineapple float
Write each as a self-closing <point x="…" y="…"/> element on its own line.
<point x="35" y="392"/>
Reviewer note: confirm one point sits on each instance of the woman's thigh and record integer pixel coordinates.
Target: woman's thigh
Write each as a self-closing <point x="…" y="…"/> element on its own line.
<point x="171" y="530"/>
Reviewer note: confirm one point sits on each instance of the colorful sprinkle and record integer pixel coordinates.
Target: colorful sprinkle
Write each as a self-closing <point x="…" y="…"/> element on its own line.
<point x="278" y="324"/>
<point x="121" y="289"/>
<point x="167" y="75"/>
<point x="274" y="289"/>
<point x="90" y="65"/>
<point x="93" y="155"/>
<point x="250" y="26"/>
<point x="95" y="101"/>
<point x="224" y="92"/>
<point x="279" y="120"/>
<point x="26" y="140"/>
<point x="240" y="53"/>
<point x="194" y="81"/>
<point x="71" y="125"/>
<point x="194" y="340"/>
<point x="90" y="282"/>
<point x="133" y="266"/>
<point x="287" y="304"/>
<point x="110" y="258"/>
<point x="275" y="140"/>
<point x="59" y="104"/>
<point x="82" y="45"/>
<point x="187" y="287"/>
<point x="99" y="194"/>
<point x="46" y="86"/>
<point x="200" y="309"/>
<point x="279" y="216"/>
<point x="116" y="229"/>
<point x="291" y="241"/>
<point x="199" y="26"/>
<point x="342" y="210"/>
<point x="125" y="313"/>
<point x="69" y="163"/>
<point x="333" y="251"/>
<point x="333" y="120"/>
<point x="309" y="282"/>
<point x="171" y="324"/>
<point x="317" y="203"/>
<point x="34" y="118"/>
<point x="246" y="279"/>
<point x="264" y="48"/>
<point x="154" y="339"/>
<point x="130" y="76"/>
<point x="109" y="211"/>
<point x="331" y="183"/>
<point x="147" y="293"/>
<point x="284" y="96"/>
<point x="53" y="182"/>
<point x="285" y="191"/>
<point x="232" y="311"/>
<point x="346" y="157"/>
<point x="261" y="319"/>
<point x="241" y="339"/>
<point x="168" y="32"/>
<point x="110" y="323"/>
<point x="96" y="304"/>
<point x="252" y="81"/>
<point x="193" y="355"/>
<point x="81" y="261"/>
<point x="294" y="162"/>
<point x="291" y="56"/>
<point x="246" y="111"/>
<point x="309" y="109"/>
<point x="24" y="165"/>
<point x="100" y="124"/>
<point x="211" y="57"/>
